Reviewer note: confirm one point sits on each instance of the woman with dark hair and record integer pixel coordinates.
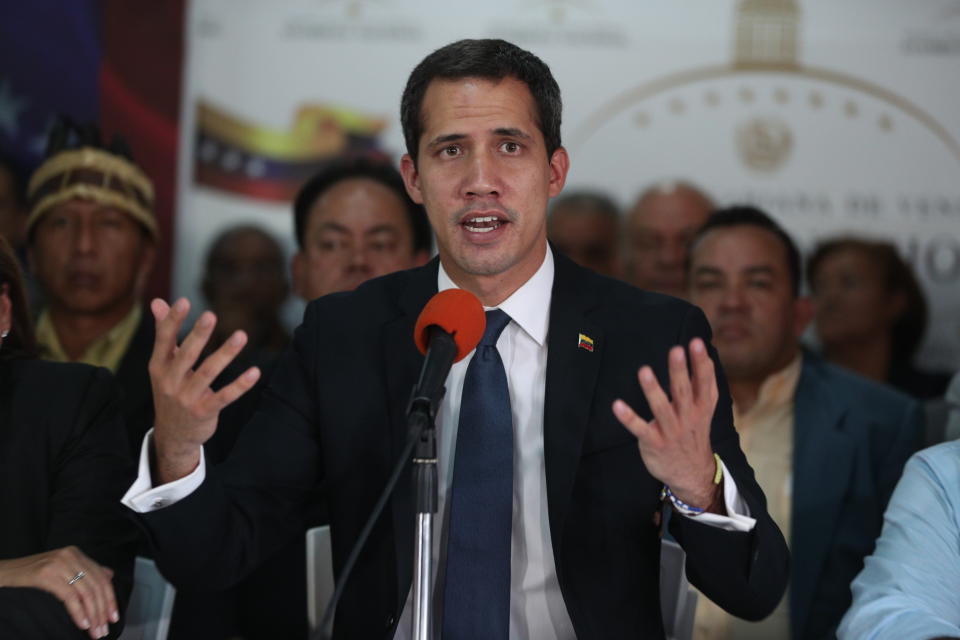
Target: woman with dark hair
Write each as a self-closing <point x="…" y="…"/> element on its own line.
<point x="870" y="313"/>
<point x="66" y="547"/>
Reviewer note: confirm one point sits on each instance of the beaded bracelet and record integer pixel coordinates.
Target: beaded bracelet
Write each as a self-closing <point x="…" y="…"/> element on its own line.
<point x="683" y="507"/>
<point x="679" y="504"/>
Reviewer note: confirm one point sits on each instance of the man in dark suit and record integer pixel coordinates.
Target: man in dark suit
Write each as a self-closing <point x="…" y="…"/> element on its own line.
<point x="827" y="446"/>
<point x="482" y="120"/>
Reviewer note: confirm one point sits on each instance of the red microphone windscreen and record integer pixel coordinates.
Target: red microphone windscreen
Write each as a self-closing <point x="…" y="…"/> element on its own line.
<point x="457" y="312"/>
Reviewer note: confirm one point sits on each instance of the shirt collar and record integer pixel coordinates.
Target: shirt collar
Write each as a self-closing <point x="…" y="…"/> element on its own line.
<point x="106" y="351"/>
<point x="779" y="388"/>
<point x="528" y="306"/>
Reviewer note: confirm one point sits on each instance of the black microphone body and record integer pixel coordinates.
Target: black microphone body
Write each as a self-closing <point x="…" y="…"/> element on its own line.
<point x="441" y="353"/>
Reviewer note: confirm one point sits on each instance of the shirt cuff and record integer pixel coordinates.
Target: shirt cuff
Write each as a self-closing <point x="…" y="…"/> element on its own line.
<point x="143" y="497"/>
<point x="738" y="513"/>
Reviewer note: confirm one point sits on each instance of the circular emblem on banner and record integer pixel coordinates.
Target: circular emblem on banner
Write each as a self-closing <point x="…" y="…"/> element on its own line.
<point x="764" y="143"/>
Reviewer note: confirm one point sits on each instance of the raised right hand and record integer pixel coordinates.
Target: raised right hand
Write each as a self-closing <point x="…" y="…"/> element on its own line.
<point x="84" y="587"/>
<point x="186" y="408"/>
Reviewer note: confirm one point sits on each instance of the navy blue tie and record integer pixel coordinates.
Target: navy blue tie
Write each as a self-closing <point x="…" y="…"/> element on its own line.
<point x="477" y="591"/>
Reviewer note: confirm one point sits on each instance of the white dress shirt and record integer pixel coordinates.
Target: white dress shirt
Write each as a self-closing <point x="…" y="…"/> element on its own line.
<point x="537" y="609"/>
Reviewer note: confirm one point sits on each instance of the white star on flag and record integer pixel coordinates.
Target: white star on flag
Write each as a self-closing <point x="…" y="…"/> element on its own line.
<point x="10" y="109"/>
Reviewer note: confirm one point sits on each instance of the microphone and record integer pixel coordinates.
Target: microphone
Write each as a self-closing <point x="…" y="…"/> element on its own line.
<point x="449" y="327"/>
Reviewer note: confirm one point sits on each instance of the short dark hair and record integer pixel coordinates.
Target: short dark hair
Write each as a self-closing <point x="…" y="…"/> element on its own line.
<point x="352" y="168"/>
<point x="747" y="216"/>
<point x="491" y="59"/>
<point x="908" y="328"/>
<point x="20" y="342"/>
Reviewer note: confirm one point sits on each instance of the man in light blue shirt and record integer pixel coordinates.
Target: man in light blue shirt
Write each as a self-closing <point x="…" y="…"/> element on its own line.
<point x="910" y="586"/>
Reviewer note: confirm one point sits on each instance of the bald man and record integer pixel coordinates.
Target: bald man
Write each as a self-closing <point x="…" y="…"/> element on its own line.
<point x="659" y="228"/>
<point x="586" y="226"/>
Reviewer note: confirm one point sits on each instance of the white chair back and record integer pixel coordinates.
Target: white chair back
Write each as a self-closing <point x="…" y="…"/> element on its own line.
<point x="151" y="603"/>
<point x="678" y="602"/>
<point x="319" y="573"/>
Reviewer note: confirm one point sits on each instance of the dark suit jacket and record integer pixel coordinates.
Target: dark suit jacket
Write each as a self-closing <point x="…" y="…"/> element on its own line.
<point x="851" y="440"/>
<point x="64" y="463"/>
<point x="136" y="402"/>
<point x="335" y="410"/>
<point x="268" y="603"/>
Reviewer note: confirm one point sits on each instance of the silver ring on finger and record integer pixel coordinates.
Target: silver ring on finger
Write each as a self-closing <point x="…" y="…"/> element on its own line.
<point x="77" y="578"/>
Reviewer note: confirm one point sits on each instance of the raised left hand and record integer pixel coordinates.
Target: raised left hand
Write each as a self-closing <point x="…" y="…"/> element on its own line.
<point x="675" y="445"/>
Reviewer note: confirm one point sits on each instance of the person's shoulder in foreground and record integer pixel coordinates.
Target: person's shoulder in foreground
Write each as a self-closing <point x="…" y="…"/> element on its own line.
<point x="910" y="586"/>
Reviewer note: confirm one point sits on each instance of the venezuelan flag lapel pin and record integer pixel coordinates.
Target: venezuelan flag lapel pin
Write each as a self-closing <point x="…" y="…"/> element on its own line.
<point x="585" y="342"/>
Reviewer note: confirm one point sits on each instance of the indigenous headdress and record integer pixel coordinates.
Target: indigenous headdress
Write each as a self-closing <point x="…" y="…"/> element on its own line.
<point x="78" y="165"/>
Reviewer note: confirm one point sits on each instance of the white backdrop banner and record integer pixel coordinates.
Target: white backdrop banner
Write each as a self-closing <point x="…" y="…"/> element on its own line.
<point x="835" y="117"/>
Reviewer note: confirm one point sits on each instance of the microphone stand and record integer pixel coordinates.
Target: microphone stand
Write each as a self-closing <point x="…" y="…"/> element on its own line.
<point x="421" y="438"/>
<point x="421" y="413"/>
<point x="425" y="488"/>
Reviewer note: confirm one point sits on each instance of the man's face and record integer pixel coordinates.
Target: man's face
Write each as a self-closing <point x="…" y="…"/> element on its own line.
<point x="356" y="230"/>
<point x="484" y="177"/>
<point x="91" y="259"/>
<point x="659" y="231"/>
<point x="587" y="237"/>
<point x="851" y="300"/>
<point x="740" y="278"/>
<point x="245" y="277"/>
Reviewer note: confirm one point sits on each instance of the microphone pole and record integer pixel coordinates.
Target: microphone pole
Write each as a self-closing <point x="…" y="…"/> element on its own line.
<point x="420" y="419"/>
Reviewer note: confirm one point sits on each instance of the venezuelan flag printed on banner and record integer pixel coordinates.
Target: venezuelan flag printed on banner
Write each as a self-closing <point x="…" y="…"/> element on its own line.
<point x="248" y="159"/>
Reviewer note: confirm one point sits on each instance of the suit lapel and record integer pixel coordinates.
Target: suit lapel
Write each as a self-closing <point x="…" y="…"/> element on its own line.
<point x="821" y="474"/>
<point x="571" y="380"/>
<point x="402" y="362"/>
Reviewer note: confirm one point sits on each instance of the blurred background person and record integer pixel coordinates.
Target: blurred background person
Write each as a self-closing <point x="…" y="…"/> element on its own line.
<point x="66" y="550"/>
<point x="92" y="240"/>
<point x="659" y="228"/>
<point x="870" y="313"/>
<point x="354" y="221"/>
<point x="585" y="225"/>
<point x="245" y="284"/>
<point x="827" y="446"/>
